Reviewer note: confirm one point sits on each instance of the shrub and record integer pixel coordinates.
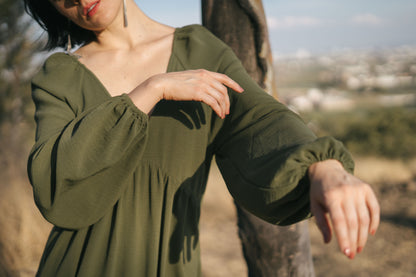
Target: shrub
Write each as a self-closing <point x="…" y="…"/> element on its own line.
<point x="383" y="132"/>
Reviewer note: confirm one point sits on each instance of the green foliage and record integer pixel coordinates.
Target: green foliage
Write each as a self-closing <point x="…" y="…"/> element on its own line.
<point x="381" y="132"/>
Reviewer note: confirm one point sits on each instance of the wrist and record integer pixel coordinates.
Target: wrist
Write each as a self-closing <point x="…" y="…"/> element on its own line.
<point x="155" y="87"/>
<point x="317" y="169"/>
<point x="146" y="96"/>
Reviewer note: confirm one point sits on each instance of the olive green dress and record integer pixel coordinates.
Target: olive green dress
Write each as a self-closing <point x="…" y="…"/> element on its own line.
<point x="124" y="190"/>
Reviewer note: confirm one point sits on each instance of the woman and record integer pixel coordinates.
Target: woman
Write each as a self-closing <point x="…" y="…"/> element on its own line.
<point x="126" y="130"/>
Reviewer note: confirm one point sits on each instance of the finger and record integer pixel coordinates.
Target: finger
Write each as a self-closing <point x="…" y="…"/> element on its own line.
<point x="364" y="222"/>
<point x="209" y="100"/>
<point x="340" y="227"/>
<point x="215" y="80"/>
<point x="219" y="97"/>
<point x="227" y="81"/>
<point x="322" y="222"/>
<point x="374" y="210"/>
<point x="350" y="211"/>
<point x="224" y="91"/>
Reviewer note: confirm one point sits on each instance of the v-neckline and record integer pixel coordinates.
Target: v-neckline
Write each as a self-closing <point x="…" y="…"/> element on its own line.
<point x="98" y="81"/>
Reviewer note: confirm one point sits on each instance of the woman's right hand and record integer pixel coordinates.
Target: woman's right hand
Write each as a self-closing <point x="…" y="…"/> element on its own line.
<point x="191" y="85"/>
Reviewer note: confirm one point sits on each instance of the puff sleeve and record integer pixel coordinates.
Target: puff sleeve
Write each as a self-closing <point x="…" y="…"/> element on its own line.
<point x="264" y="150"/>
<point x="80" y="163"/>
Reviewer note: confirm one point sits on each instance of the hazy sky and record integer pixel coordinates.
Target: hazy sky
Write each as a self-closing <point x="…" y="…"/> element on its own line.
<point x="314" y="25"/>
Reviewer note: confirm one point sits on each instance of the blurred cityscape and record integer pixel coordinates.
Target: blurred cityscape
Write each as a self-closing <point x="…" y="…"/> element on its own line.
<point x="347" y="79"/>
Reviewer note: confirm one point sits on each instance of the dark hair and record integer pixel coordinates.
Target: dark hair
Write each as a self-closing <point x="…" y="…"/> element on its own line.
<point x="56" y="25"/>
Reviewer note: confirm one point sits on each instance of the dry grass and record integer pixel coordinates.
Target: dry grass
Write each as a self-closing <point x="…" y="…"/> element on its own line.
<point x="23" y="231"/>
<point x="375" y="170"/>
<point x="221" y="251"/>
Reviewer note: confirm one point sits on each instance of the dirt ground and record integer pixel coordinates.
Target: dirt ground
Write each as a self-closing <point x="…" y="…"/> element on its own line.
<point x="391" y="253"/>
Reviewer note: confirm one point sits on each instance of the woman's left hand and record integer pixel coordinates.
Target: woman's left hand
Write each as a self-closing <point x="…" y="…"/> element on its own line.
<point x="347" y="202"/>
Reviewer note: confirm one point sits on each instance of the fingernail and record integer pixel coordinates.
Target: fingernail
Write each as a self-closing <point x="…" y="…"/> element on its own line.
<point x="347" y="252"/>
<point x="373" y="232"/>
<point x="359" y="249"/>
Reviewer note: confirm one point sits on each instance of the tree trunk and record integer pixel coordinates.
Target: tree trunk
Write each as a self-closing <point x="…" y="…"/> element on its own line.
<point x="269" y="250"/>
<point x="242" y="25"/>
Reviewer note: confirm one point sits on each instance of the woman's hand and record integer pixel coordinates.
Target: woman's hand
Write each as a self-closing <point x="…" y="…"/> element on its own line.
<point x="345" y="201"/>
<point x="191" y="85"/>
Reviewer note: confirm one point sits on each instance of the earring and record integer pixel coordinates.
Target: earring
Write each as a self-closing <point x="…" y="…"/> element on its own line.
<point x="125" y="13"/>
<point x="68" y="45"/>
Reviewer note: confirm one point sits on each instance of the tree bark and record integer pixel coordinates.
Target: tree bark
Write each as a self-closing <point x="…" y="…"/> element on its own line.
<point x="269" y="250"/>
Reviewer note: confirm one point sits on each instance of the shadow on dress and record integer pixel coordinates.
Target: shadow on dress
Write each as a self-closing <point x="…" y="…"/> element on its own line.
<point x="187" y="211"/>
<point x="190" y="113"/>
<point x="187" y="199"/>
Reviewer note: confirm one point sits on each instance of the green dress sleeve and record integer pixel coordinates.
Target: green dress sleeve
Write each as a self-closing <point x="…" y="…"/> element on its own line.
<point x="264" y="150"/>
<point x="81" y="162"/>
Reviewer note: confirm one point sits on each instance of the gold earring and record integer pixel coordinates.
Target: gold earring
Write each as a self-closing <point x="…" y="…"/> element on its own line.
<point x="68" y="45"/>
<point x="68" y="42"/>
<point x="125" y="13"/>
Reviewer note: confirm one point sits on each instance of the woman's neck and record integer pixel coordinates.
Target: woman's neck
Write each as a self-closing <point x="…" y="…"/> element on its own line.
<point x="116" y="36"/>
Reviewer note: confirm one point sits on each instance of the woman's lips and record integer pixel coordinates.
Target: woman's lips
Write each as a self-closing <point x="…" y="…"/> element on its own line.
<point x="91" y="9"/>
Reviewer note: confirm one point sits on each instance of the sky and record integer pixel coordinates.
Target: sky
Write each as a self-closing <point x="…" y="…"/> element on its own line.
<point x="314" y="26"/>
